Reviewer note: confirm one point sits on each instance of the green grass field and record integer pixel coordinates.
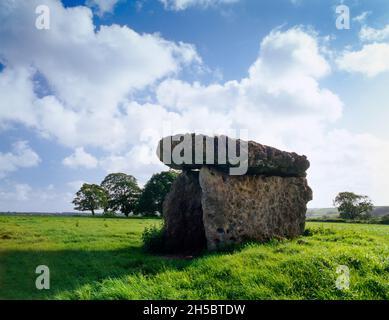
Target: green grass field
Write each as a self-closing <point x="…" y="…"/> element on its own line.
<point x="97" y="258"/>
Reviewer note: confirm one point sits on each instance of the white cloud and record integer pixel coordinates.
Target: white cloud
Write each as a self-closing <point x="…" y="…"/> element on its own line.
<point x="344" y="161"/>
<point x="90" y="72"/>
<point x="17" y="192"/>
<point x="369" y="34"/>
<point x="103" y="6"/>
<point x="21" y="156"/>
<point x="140" y="160"/>
<point x="22" y="192"/>
<point x="16" y="92"/>
<point x="294" y="51"/>
<point x="80" y="159"/>
<point x="178" y="5"/>
<point x="371" y="60"/>
<point x="362" y="17"/>
<point x="21" y="197"/>
<point x="283" y="81"/>
<point x="87" y="69"/>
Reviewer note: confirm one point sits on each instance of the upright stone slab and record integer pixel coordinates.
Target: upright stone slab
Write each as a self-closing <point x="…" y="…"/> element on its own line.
<point x="183" y="215"/>
<point x="251" y="207"/>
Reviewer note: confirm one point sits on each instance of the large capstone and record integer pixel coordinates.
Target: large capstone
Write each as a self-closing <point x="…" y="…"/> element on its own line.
<point x="193" y="151"/>
<point x="208" y="207"/>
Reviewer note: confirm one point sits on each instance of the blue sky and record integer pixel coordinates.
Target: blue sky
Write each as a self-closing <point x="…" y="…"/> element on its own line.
<point x="91" y="94"/>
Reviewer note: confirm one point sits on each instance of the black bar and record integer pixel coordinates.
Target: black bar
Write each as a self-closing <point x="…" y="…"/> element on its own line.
<point x="191" y="309"/>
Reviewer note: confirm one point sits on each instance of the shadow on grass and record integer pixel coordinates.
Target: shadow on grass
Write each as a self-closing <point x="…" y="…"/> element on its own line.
<point x="71" y="269"/>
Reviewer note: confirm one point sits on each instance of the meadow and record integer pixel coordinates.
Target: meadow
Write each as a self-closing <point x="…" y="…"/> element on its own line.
<point x="102" y="258"/>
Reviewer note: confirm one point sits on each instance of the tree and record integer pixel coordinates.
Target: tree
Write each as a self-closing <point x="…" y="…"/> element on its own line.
<point x="353" y="206"/>
<point x="154" y="193"/>
<point x="90" y="197"/>
<point x="123" y="192"/>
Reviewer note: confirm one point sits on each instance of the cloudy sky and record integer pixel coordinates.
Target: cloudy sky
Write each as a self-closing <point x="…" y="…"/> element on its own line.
<point x="93" y="93"/>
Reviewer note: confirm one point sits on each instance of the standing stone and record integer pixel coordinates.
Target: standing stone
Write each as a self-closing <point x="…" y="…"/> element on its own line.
<point x="251" y="207"/>
<point x="183" y="215"/>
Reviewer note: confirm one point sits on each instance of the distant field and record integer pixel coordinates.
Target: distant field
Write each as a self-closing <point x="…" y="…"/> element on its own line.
<point x="331" y="212"/>
<point x="97" y="258"/>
